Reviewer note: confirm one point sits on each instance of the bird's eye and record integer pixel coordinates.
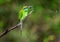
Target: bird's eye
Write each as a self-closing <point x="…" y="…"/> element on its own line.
<point x="26" y="9"/>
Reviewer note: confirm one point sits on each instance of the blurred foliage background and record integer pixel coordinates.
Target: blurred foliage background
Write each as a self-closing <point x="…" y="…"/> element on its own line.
<point x="43" y="25"/>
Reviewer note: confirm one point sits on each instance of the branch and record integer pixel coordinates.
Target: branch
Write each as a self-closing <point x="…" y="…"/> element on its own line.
<point x="12" y="28"/>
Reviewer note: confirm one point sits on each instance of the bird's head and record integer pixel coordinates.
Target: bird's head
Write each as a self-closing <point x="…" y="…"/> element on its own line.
<point x="27" y="8"/>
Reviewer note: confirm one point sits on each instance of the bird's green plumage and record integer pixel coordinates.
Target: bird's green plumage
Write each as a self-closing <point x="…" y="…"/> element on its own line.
<point x="23" y="13"/>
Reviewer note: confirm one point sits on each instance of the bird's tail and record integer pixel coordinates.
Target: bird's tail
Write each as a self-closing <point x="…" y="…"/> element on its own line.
<point x="21" y="25"/>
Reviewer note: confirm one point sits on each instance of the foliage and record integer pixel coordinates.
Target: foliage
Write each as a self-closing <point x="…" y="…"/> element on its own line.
<point x="43" y="25"/>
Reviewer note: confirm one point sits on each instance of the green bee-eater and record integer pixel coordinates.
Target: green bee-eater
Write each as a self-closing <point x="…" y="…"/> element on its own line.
<point x="23" y="13"/>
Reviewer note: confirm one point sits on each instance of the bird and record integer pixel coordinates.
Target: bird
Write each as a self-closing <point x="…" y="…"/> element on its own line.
<point x="23" y="13"/>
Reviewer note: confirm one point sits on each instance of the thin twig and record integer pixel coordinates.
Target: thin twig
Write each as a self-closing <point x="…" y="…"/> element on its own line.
<point x="8" y="30"/>
<point x="14" y="27"/>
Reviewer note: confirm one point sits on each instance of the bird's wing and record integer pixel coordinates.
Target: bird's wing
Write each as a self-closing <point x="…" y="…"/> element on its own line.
<point x="20" y="15"/>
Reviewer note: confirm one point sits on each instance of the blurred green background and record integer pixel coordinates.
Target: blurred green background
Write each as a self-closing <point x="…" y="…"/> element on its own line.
<point x="43" y="25"/>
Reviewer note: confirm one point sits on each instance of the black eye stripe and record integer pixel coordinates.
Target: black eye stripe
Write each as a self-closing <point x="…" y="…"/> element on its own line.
<point x="26" y="8"/>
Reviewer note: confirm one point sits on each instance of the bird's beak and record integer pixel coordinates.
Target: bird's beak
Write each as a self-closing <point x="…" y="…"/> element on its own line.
<point x="30" y="6"/>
